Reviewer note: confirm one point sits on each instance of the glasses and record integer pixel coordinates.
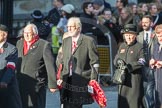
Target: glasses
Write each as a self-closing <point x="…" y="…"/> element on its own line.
<point x="71" y="26"/>
<point x="27" y="33"/>
<point x="118" y="1"/>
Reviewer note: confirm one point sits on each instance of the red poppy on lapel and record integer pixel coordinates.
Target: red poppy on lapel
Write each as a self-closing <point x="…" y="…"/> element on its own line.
<point x="1" y="50"/>
<point x="26" y="49"/>
<point x="152" y="35"/>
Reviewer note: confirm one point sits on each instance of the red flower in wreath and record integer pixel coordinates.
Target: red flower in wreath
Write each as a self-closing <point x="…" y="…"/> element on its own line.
<point x="98" y="95"/>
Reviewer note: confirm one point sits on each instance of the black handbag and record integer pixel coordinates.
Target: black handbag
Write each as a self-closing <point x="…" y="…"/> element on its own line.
<point x="120" y="73"/>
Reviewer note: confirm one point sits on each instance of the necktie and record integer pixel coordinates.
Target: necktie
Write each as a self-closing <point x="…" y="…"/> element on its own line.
<point x="146" y="50"/>
<point x="146" y="38"/>
<point x="74" y="45"/>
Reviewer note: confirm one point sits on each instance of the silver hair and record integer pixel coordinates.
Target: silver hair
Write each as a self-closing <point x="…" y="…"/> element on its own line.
<point x="34" y="28"/>
<point x="76" y="21"/>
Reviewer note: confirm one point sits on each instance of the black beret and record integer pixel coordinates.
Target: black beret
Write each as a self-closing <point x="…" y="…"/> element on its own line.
<point x="3" y="28"/>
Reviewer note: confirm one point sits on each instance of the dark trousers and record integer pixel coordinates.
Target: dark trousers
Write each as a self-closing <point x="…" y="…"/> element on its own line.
<point x="33" y="99"/>
<point x="4" y="96"/>
<point x="149" y="88"/>
<point x="10" y="96"/>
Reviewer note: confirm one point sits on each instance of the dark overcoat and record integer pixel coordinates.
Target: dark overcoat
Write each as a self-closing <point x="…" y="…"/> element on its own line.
<point x="157" y="55"/>
<point x="84" y="58"/>
<point x="131" y="92"/>
<point x="10" y="96"/>
<point x="36" y="68"/>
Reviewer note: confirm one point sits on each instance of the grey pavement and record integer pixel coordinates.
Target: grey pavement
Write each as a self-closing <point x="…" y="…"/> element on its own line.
<point x="110" y="91"/>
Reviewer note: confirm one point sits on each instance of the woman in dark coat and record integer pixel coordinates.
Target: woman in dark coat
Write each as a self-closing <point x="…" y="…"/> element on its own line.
<point x="131" y="52"/>
<point x="156" y="63"/>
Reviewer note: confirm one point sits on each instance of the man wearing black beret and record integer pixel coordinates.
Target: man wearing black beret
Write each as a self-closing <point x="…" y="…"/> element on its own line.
<point x="9" y="92"/>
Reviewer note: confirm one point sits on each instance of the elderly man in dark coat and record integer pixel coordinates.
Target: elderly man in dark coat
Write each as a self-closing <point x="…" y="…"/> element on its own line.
<point x="35" y="68"/>
<point x="131" y="53"/>
<point x="9" y="92"/>
<point x="80" y="64"/>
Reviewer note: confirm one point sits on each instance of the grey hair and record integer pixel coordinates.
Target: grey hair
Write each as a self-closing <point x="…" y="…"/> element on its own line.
<point x="76" y="21"/>
<point x="34" y="28"/>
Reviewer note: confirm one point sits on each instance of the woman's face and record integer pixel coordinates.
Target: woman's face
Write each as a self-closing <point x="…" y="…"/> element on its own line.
<point x="129" y="37"/>
<point x="144" y="8"/>
<point x="134" y="9"/>
<point x="153" y="10"/>
<point x="90" y="8"/>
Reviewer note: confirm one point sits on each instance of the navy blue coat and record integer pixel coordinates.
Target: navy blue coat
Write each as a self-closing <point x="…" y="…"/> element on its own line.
<point x="10" y="96"/>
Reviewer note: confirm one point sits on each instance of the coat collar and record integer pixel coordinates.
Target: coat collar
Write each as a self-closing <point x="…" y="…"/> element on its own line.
<point x="141" y="38"/>
<point x="3" y="44"/>
<point x="33" y="46"/>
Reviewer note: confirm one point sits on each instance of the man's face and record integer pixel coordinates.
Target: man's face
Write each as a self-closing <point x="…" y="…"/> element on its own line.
<point x="123" y="14"/>
<point x="96" y="6"/>
<point x="159" y="35"/>
<point x="28" y="34"/>
<point x="146" y="23"/>
<point x="3" y="36"/>
<point x="73" y="29"/>
<point x="129" y="37"/>
<point x="107" y="15"/>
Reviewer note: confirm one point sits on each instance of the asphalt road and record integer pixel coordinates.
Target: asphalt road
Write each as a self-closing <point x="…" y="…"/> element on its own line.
<point x="110" y="91"/>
